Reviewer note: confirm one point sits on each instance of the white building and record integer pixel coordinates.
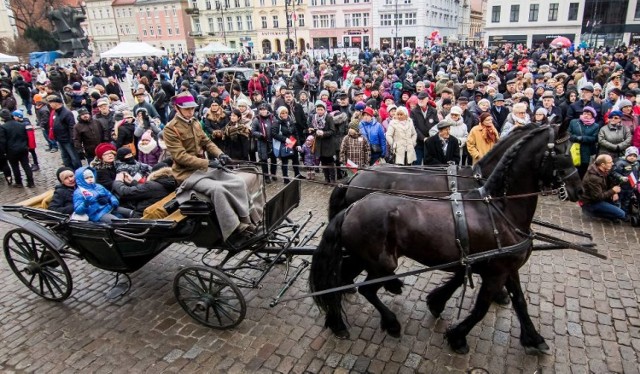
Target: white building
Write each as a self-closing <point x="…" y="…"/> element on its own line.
<point x="532" y="22"/>
<point x="102" y="29"/>
<point x="8" y="29"/>
<point x="408" y="23"/>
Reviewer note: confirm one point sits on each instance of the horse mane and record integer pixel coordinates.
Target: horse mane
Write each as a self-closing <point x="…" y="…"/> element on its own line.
<point x="506" y="142"/>
<point x="496" y="182"/>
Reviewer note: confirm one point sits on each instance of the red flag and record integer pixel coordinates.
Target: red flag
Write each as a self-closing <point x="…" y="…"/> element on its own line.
<point x="633" y="181"/>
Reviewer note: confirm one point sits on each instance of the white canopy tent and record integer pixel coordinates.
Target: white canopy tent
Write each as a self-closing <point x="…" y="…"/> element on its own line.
<point x="133" y="49"/>
<point x="8" y="58"/>
<point x="215" y="48"/>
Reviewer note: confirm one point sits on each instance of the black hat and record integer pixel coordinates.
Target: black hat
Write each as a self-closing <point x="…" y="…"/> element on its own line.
<point x="61" y="170"/>
<point x="423" y="95"/>
<point x="82" y="111"/>
<point x="123" y="152"/>
<point x="263" y="106"/>
<point x="616" y="91"/>
<point x="5" y="114"/>
<point x="54" y="99"/>
<point x="443" y="124"/>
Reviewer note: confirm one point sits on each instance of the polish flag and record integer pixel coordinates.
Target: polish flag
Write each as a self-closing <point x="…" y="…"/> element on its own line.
<point x="633" y="181"/>
<point x="352" y="166"/>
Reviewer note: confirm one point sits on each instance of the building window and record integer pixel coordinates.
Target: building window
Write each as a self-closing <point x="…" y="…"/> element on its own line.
<point x="346" y="1"/>
<point x="495" y="14"/>
<point x="388" y="2"/>
<point x="385" y="20"/>
<point x="144" y="32"/>
<point x="173" y="9"/>
<point x="407" y="1"/>
<point x="151" y="30"/>
<point x="314" y="2"/>
<point x="220" y="24"/>
<point x="249" y="23"/>
<point x="398" y="19"/>
<point x="166" y="11"/>
<point x="261" y="3"/>
<point x="239" y="23"/>
<point x="332" y="21"/>
<point x="553" y="12"/>
<point x="196" y="25"/>
<point x="130" y="13"/>
<point x="274" y="2"/>
<point x="237" y="2"/>
<point x="177" y="28"/>
<point x="515" y="13"/>
<point x="324" y="21"/>
<point x="637" y="14"/>
<point x="263" y="21"/>
<point x="207" y="5"/>
<point x="533" y="12"/>
<point x="573" y="11"/>
<point x="155" y="12"/>
<point x="332" y="2"/>
<point x="347" y="20"/>
<point x="229" y="23"/>
<point x="276" y="24"/>
<point x="169" y="30"/>
<point x="315" y="20"/>
<point x="159" y="30"/>
<point x="211" y="23"/>
<point x="301" y="20"/>
<point x="289" y="20"/>
<point x="247" y="3"/>
<point x="148" y="10"/>
<point x="410" y="19"/>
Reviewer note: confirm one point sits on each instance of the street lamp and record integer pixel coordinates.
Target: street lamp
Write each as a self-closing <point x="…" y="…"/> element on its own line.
<point x="221" y="8"/>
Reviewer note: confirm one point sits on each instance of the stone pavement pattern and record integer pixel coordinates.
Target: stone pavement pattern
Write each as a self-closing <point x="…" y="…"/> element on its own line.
<point x="586" y="309"/>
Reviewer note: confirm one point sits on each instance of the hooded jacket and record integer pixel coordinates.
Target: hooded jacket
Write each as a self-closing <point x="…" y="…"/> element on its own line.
<point x="86" y="136"/>
<point x="92" y="199"/>
<point x="139" y="196"/>
<point x="62" y="201"/>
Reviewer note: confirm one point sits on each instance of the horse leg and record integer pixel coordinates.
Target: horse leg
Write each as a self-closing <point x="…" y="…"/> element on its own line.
<point x="532" y="341"/>
<point x="457" y="335"/>
<point x="351" y="268"/>
<point x="437" y="299"/>
<point x="388" y="320"/>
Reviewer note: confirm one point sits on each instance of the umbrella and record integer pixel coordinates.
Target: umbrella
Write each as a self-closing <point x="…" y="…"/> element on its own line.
<point x="561" y="42"/>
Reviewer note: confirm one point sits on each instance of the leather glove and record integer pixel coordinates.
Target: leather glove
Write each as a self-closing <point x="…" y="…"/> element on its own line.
<point x="215" y="164"/>
<point x="224" y="159"/>
<point x="103" y="200"/>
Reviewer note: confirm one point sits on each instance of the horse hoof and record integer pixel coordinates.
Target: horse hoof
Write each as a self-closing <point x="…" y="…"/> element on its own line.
<point x="458" y="345"/>
<point x="436" y="311"/>
<point x="540" y="349"/>
<point x="502" y="298"/>
<point x="394" y="286"/>
<point x="393" y="329"/>
<point x="341" y="334"/>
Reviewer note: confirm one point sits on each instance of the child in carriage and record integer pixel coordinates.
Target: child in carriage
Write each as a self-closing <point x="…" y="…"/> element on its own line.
<point x="93" y="202"/>
<point x="626" y="171"/>
<point x="128" y="163"/>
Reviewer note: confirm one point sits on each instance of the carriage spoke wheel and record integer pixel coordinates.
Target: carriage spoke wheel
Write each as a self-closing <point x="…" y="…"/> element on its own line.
<point x="209" y="297"/>
<point x="37" y="265"/>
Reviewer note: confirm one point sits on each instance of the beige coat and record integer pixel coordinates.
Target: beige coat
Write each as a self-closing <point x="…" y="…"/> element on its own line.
<point x="187" y="143"/>
<point x="401" y="137"/>
<point x="477" y="145"/>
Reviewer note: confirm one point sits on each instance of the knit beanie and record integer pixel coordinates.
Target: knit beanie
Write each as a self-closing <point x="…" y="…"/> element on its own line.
<point x="62" y="170"/>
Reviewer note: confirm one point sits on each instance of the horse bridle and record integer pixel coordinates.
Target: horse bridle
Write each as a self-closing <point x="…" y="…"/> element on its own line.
<point x="558" y="168"/>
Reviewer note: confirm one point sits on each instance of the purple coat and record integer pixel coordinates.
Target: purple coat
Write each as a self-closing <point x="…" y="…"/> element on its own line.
<point x="152" y="158"/>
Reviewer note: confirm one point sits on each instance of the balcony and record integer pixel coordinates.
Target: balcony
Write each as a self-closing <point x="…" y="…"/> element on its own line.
<point x="211" y="33"/>
<point x="195" y="34"/>
<point x="192" y="11"/>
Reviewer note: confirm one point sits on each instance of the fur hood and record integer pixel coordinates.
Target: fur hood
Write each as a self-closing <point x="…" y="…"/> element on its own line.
<point x="162" y="172"/>
<point x="340" y="118"/>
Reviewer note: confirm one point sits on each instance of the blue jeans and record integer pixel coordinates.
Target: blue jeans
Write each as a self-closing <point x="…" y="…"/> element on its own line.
<point x="51" y="143"/>
<point x="419" y="153"/>
<point x="603" y="209"/>
<point x="69" y="156"/>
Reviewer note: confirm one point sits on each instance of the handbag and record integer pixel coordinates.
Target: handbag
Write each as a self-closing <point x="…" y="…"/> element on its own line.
<point x="279" y="149"/>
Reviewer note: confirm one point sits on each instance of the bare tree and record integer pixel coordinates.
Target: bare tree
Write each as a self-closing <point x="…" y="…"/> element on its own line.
<point x="33" y="13"/>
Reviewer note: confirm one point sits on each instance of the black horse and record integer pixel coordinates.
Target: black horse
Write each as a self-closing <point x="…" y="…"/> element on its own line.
<point x="380" y="228"/>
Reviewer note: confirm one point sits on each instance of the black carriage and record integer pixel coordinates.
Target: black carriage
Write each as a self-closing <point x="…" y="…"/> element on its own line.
<point x="211" y="294"/>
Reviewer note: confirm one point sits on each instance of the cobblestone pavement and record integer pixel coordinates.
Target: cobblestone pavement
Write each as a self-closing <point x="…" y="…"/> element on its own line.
<point x="586" y="309"/>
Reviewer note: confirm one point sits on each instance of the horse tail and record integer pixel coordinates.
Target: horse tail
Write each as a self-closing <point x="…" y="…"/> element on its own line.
<point x="337" y="201"/>
<point x="326" y="267"/>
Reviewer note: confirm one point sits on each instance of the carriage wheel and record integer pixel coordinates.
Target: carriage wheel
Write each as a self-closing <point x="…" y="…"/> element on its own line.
<point x="37" y="265"/>
<point x="209" y="297"/>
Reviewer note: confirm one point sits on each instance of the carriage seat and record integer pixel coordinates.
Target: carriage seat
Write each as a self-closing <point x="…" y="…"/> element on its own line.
<point x="41" y="201"/>
<point x="157" y="210"/>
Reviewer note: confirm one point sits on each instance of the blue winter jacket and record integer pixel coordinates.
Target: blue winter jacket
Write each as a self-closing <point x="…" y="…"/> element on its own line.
<point x="374" y="132"/>
<point x="587" y="136"/>
<point x="92" y="199"/>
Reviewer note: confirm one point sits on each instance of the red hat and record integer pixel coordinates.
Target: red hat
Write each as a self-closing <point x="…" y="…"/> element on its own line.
<point x="357" y="81"/>
<point x="369" y="110"/>
<point x="103" y="148"/>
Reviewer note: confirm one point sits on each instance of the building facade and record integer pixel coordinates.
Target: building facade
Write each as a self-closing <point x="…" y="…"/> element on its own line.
<point x="102" y="29"/>
<point x="476" y="23"/>
<point x="226" y="21"/>
<point x="164" y="24"/>
<point x="409" y="23"/>
<point x="282" y="25"/>
<point x="125" y="11"/>
<point x="341" y="23"/>
<point x="532" y="23"/>
<point x="8" y="29"/>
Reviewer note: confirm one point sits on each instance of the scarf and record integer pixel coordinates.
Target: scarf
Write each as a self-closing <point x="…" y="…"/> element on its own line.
<point x="585" y="121"/>
<point x="318" y="122"/>
<point x="490" y="135"/>
<point x="149" y="147"/>
<point x="518" y="120"/>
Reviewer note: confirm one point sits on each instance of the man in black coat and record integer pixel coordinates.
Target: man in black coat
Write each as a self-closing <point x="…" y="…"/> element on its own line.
<point x="14" y="142"/>
<point x="442" y="148"/>
<point x="138" y="197"/>
<point x="62" y="131"/>
<point x="424" y="117"/>
<point x="586" y="99"/>
<point x="499" y="112"/>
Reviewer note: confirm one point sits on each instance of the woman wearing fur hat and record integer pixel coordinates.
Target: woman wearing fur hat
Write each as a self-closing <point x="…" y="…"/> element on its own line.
<point x="7" y="101"/>
<point x="282" y="131"/>
<point x="214" y="123"/>
<point x="150" y="152"/>
<point x="401" y="138"/>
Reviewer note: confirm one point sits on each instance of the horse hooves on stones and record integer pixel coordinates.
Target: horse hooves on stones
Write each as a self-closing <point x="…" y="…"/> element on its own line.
<point x="502" y="298"/>
<point x="458" y="345"/>
<point x="392" y="328"/>
<point x="540" y="349"/>
<point x="394" y="286"/>
<point x="436" y="310"/>
<point x="341" y="334"/>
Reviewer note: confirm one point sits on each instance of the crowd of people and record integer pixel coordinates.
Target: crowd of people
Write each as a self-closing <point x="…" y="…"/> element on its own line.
<point x="439" y="106"/>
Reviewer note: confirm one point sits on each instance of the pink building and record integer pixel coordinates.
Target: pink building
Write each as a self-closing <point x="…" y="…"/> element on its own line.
<point x="341" y="23"/>
<point x="164" y="24"/>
